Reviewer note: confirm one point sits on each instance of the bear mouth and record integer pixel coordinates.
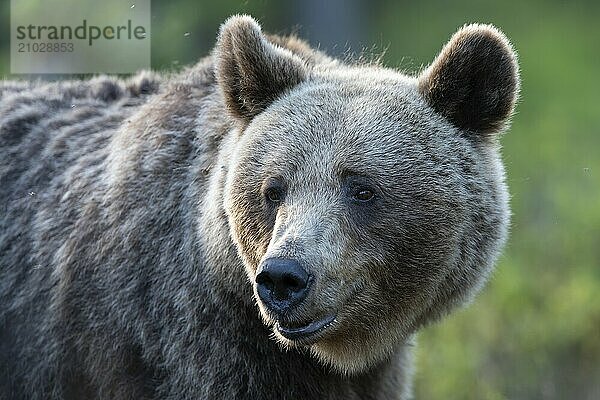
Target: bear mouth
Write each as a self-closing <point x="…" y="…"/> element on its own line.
<point x="309" y="332"/>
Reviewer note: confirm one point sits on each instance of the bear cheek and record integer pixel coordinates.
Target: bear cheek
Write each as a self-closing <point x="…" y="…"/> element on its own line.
<point x="398" y="276"/>
<point x="251" y="229"/>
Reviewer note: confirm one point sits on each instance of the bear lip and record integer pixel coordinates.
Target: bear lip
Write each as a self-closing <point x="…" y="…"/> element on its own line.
<point x="308" y="331"/>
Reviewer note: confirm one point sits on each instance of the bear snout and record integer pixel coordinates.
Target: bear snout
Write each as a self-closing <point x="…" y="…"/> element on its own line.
<point x="282" y="284"/>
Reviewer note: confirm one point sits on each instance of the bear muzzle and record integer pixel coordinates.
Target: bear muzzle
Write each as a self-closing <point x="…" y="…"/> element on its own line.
<point x="306" y="333"/>
<point x="282" y="284"/>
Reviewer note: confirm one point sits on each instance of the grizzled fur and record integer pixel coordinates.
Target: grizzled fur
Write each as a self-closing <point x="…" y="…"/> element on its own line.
<point x="134" y="219"/>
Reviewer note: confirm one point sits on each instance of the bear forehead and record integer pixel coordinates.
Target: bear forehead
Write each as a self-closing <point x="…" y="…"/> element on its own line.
<point x="341" y="116"/>
<point x="360" y="89"/>
<point x="367" y="100"/>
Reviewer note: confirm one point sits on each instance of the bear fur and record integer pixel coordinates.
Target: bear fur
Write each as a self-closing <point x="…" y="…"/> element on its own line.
<point x="134" y="219"/>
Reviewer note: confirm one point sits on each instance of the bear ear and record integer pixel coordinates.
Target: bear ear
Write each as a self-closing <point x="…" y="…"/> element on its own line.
<point x="474" y="81"/>
<point x="251" y="71"/>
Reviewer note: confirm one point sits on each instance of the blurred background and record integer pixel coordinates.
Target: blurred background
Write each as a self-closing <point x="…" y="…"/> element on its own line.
<point x="534" y="332"/>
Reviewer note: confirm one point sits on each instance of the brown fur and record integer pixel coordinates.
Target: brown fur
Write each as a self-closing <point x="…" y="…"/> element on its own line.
<point x="475" y="79"/>
<point x="134" y="219"/>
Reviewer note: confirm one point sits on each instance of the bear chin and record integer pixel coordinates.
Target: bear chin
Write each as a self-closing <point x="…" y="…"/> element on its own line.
<point x="351" y="357"/>
<point x="333" y="345"/>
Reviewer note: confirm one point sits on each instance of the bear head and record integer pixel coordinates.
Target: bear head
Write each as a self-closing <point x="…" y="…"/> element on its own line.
<point x="364" y="203"/>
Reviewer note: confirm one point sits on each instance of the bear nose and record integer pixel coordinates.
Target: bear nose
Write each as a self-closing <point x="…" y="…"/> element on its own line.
<point x="281" y="283"/>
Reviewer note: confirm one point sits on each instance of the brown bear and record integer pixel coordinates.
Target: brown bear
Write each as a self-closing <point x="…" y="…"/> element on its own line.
<point x="270" y="223"/>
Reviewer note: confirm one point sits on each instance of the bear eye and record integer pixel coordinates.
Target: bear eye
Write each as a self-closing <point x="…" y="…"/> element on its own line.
<point x="363" y="195"/>
<point x="274" y="190"/>
<point x="274" y="195"/>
